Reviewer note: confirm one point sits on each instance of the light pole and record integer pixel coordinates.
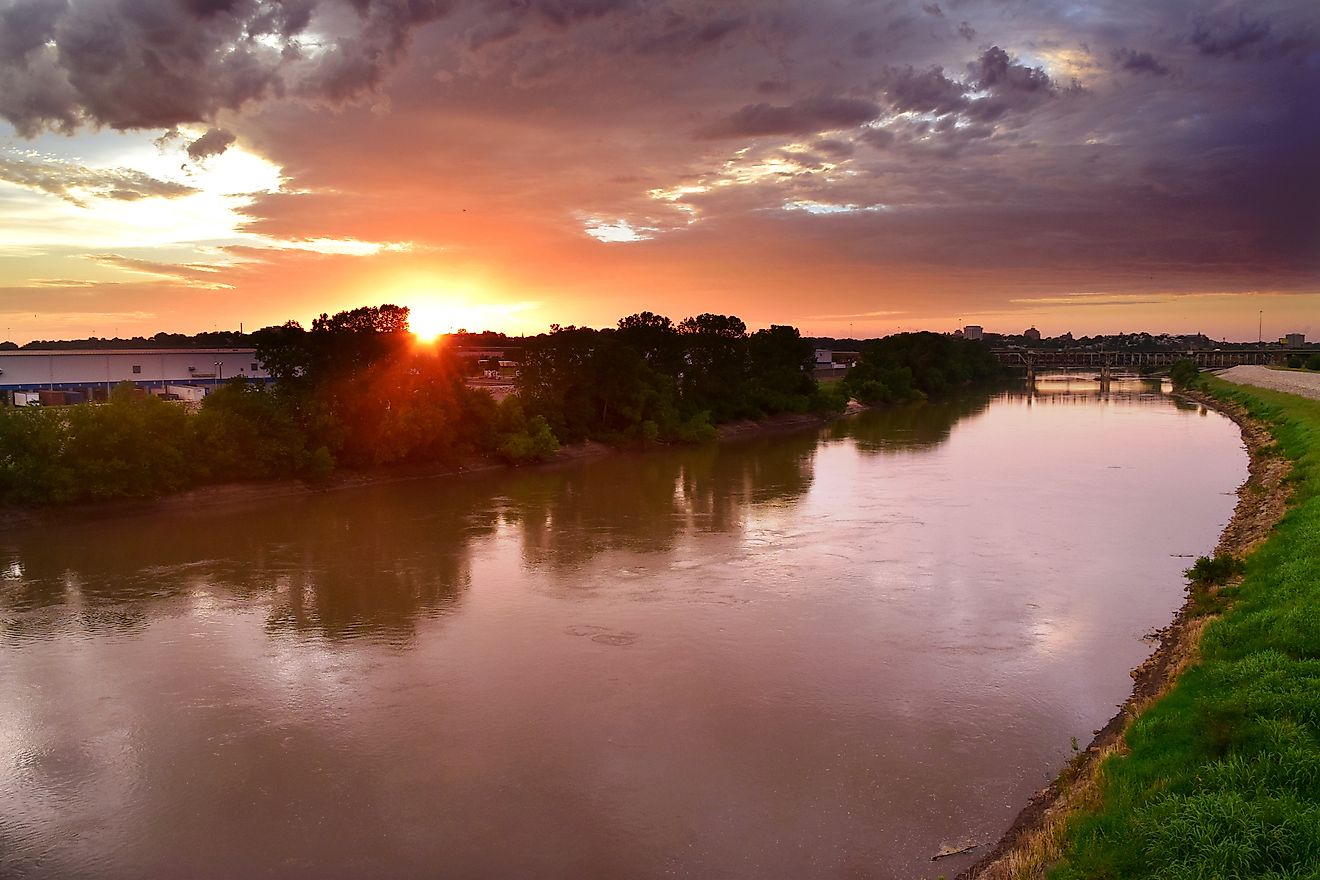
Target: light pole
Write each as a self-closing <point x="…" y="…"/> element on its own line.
<point x="220" y="371"/>
<point x="1260" y="327"/>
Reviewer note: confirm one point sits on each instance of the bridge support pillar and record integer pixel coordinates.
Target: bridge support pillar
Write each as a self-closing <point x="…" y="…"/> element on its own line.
<point x="1106" y="375"/>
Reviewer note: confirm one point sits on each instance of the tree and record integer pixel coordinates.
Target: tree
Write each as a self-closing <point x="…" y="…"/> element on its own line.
<point x="911" y="364"/>
<point x="1184" y="373"/>
<point x="781" y="362"/>
<point x="244" y="432"/>
<point x="135" y="445"/>
<point x="715" y="372"/>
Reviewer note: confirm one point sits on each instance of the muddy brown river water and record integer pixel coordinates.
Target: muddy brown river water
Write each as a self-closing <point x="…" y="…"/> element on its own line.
<point x="822" y="654"/>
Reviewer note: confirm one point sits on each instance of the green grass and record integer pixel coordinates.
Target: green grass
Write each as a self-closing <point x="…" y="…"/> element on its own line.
<point x="1223" y="775"/>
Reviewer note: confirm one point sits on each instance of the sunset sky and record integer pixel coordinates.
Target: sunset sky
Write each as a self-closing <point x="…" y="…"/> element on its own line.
<point x="850" y="167"/>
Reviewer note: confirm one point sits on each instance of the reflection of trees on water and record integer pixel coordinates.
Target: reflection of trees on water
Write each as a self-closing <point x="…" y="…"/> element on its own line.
<point x="375" y="561"/>
<point x="910" y="426"/>
<point x="643" y="502"/>
<point x="373" y="568"/>
<point x="325" y="565"/>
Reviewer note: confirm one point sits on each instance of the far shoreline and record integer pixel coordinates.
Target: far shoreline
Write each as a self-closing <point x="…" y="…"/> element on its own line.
<point x="15" y="518"/>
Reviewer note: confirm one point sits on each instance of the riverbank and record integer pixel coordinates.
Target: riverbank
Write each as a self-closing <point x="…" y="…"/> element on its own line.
<point x="244" y="493"/>
<point x="1211" y="768"/>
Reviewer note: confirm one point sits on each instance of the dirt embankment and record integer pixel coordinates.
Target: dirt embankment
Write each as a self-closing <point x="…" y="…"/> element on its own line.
<point x="1038" y="836"/>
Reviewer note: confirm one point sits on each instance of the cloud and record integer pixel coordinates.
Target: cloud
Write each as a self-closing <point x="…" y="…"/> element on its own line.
<point x="1227" y="36"/>
<point x="199" y="275"/>
<point x="76" y="183"/>
<point x="358" y="61"/>
<point x="686" y="37"/>
<point x="213" y="143"/>
<point x="499" y="132"/>
<point x="996" y="84"/>
<point x="566" y="12"/>
<point x="880" y="313"/>
<point x="1138" y="62"/>
<point x="1089" y="299"/>
<point x="133" y="64"/>
<point x="1243" y="37"/>
<point x="810" y="115"/>
<point x="997" y="71"/>
<point x="929" y="91"/>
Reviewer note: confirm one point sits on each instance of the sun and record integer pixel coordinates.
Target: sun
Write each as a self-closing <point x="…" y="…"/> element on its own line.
<point x="430" y="318"/>
<point x="433" y="313"/>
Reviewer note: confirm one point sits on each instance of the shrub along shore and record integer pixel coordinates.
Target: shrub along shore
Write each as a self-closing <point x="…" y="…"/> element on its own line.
<point x="1212" y="768"/>
<point x="357" y="393"/>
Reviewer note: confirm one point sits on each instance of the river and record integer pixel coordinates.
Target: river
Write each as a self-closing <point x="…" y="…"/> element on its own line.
<point x="819" y="654"/>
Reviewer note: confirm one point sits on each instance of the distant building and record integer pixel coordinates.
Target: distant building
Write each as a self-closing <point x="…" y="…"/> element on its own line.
<point x="846" y="358"/>
<point x="1032" y="333"/>
<point x="973" y="331"/>
<point x="828" y="359"/>
<point x="185" y="373"/>
<point x="1294" y="340"/>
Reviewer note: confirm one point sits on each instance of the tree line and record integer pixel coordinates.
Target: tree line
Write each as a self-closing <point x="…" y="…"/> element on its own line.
<point x="355" y="390"/>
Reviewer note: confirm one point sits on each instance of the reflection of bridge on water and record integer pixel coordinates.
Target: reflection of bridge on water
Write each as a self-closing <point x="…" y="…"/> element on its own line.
<point x="1036" y="359"/>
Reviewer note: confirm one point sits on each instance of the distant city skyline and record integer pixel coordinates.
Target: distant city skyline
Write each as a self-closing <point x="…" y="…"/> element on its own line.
<point x="847" y="168"/>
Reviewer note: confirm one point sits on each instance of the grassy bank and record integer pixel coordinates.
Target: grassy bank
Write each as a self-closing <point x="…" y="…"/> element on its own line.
<point x="1221" y="777"/>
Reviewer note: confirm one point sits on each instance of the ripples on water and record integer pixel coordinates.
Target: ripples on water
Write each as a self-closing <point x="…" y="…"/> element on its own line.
<point x="816" y="655"/>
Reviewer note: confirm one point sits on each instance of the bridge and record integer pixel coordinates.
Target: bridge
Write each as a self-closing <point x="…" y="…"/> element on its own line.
<point x="1036" y="359"/>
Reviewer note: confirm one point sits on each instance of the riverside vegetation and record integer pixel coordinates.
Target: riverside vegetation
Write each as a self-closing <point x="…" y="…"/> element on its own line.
<point x="1222" y="775"/>
<point x="356" y="391"/>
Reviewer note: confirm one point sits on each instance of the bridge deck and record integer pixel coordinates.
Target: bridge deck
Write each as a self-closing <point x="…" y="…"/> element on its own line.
<point x="1041" y="358"/>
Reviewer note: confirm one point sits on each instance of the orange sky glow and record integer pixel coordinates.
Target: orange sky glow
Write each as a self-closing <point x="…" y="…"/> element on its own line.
<point x="851" y="169"/>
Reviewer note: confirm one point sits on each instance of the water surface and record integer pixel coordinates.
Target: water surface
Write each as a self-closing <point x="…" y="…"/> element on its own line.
<point x="825" y="654"/>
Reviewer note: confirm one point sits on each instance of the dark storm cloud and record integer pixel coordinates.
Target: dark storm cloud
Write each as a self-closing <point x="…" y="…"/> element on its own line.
<point x="359" y="61"/>
<point x="1007" y="86"/>
<point x="1233" y="36"/>
<point x="997" y="71"/>
<point x="213" y="143"/>
<point x="1261" y="38"/>
<point x="1138" y="62"/>
<point x="928" y="91"/>
<point x="75" y="183"/>
<point x="820" y="113"/>
<point x="157" y="63"/>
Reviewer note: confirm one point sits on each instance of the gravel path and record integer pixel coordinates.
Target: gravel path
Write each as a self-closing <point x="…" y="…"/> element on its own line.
<point x="1302" y="384"/>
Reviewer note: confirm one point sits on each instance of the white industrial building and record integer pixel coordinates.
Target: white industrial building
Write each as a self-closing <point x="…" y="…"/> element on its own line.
<point x="187" y="373"/>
